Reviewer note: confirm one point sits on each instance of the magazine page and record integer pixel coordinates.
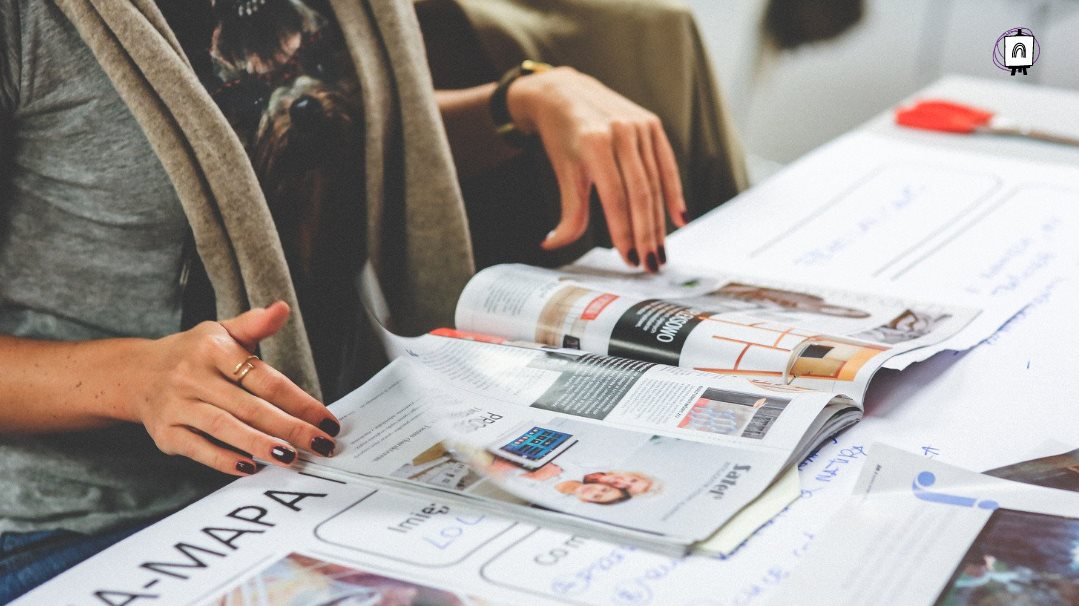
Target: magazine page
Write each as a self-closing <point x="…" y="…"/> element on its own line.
<point x="621" y="392"/>
<point x="407" y="425"/>
<point x="828" y="302"/>
<point x="917" y="531"/>
<point x="718" y="325"/>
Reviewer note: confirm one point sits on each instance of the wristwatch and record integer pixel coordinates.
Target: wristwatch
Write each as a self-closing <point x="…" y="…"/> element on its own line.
<point x="500" y="111"/>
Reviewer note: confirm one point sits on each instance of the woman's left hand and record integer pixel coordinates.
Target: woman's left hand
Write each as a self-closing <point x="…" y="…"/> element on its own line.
<point x="594" y="137"/>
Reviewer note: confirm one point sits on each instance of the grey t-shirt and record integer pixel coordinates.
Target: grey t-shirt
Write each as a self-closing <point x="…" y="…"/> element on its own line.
<point x="91" y="238"/>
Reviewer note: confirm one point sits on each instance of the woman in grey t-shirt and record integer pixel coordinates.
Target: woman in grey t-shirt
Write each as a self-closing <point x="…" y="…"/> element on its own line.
<point x="99" y="382"/>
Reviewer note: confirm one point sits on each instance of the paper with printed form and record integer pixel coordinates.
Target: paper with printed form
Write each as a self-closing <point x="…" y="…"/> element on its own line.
<point x="917" y="531"/>
<point x="284" y="538"/>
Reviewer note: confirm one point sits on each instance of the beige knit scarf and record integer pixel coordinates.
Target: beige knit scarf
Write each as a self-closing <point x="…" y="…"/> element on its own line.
<point x="417" y="234"/>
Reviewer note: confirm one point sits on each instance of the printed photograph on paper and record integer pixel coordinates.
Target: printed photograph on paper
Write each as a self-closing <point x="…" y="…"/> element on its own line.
<point x="1020" y="559"/>
<point x="907" y="326"/>
<point x="564" y="460"/>
<point x="299" y="580"/>
<point x="588" y="385"/>
<point x="820" y="357"/>
<point x="437" y="466"/>
<point x="1058" y="471"/>
<point x="595" y="472"/>
<point x="550" y="461"/>
<point x="733" y="414"/>
<point x="777" y="299"/>
<point x="565" y="316"/>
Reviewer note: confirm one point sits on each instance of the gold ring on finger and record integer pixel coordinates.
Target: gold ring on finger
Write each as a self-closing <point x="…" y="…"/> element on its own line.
<point x="243" y="367"/>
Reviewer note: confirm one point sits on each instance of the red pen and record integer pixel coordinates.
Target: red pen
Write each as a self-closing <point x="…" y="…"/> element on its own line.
<point x="947" y="116"/>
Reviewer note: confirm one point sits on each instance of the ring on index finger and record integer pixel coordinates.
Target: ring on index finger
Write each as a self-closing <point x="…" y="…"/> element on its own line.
<point x="243" y="367"/>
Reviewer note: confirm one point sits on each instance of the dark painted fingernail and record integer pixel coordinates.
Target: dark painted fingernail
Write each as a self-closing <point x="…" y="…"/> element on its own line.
<point x="650" y="261"/>
<point x="322" y="446"/>
<point x="634" y="259"/>
<point x="285" y="455"/>
<point x="245" y="467"/>
<point x="662" y="255"/>
<point x="685" y="216"/>
<point x="330" y="426"/>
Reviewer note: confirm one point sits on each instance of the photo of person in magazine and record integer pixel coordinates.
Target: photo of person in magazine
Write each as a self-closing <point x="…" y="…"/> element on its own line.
<point x="439" y="466"/>
<point x="609" y="487"/>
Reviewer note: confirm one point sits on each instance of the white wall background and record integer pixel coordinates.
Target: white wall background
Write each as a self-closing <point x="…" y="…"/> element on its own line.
<point x="787" y="104"/>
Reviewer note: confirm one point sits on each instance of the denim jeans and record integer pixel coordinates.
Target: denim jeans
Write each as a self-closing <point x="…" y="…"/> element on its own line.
<point x="28" y="559"/>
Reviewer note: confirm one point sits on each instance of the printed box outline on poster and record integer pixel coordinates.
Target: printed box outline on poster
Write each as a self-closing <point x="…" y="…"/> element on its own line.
<point x="316" y="533"/>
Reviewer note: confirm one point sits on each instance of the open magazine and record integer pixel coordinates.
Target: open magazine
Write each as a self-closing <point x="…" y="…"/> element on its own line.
<point x="787" y="334"/>
<point x="597" y="457"/>
<point x="573" y="398"/>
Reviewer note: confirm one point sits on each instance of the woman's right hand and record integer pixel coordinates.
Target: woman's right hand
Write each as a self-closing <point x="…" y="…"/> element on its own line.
<point x="188" y="395"/>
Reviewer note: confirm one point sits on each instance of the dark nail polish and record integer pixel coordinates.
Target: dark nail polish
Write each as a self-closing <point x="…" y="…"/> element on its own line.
<point x="685" y="216"/>
<point x="245" y="467"/>
<point x="650" y="261"/>
<point x="634" y="259"/>
<point x="285" y="455"/>
<point x="330" y="426"/>
<point x="322" y="446"/>
<point x="662" y="255"/>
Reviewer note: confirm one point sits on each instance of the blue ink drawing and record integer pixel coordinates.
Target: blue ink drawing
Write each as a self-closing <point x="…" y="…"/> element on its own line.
<point x="926" y="479"/>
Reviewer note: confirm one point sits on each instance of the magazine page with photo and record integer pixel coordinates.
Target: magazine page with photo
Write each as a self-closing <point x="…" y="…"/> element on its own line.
<point x="875" y="312"/>
<point x="631" y="394"/>
<point x="597" y="445"/>
<point x="784" y="334"/>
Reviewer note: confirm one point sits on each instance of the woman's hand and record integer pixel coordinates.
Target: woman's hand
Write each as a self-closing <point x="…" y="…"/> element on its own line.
<point x="594" y="137"/>
<point x="189" y="394"/>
